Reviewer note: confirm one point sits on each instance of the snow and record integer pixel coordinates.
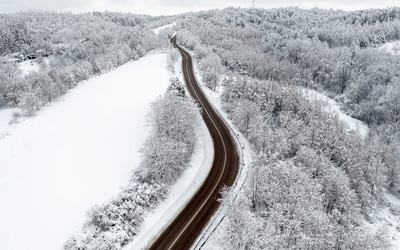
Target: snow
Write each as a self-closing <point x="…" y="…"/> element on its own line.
<point x="388" y="218"/>
<point x="392" y="47"/>
<point x="28" y="66"/>
<point x="157" y="30"/>
<point x="74" y="154"/>
<point x="5" y="118"/>
<point x="333" y="107"/>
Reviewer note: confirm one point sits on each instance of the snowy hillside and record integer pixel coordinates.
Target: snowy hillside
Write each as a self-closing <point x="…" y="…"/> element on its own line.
<point x="74" y="154"/>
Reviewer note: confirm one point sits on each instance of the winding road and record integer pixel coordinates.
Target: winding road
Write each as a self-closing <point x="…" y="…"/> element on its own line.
<point x="187" y="226"/>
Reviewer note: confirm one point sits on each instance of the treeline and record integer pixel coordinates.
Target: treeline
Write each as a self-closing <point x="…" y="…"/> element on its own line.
<point x="312" y="183"/>
<point x="335" y="52"/>
<point x="165" y="156"/>
<point x="68" y="48"/>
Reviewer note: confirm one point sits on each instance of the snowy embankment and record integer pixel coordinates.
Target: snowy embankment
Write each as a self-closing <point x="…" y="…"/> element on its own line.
<point x="74" y="154"/>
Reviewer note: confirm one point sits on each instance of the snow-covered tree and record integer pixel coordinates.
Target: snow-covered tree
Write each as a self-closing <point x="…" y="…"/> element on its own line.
<point x="211" y="70"/>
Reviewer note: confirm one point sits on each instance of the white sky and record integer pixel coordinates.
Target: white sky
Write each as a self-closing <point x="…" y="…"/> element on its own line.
<point x="168" y="7"/>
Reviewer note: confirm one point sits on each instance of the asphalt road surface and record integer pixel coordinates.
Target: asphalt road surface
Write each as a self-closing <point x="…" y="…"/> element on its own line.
<point x="187" y="226"/>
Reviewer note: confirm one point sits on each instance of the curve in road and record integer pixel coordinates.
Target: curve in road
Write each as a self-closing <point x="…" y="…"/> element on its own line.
<point x="186" y="227"/>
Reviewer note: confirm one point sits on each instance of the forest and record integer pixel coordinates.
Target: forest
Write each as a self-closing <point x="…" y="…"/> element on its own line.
<point x="334" y="52"/>
<point x="313" y="184"/>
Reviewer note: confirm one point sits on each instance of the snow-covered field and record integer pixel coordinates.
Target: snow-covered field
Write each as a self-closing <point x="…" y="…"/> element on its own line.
<point x="74" y="154"/>
<point x="5" y="118"/>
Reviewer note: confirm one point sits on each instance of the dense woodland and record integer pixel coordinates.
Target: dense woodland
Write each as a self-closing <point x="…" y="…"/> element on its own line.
<point x="313" y="184"/>
<point x="331" y="51"/>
